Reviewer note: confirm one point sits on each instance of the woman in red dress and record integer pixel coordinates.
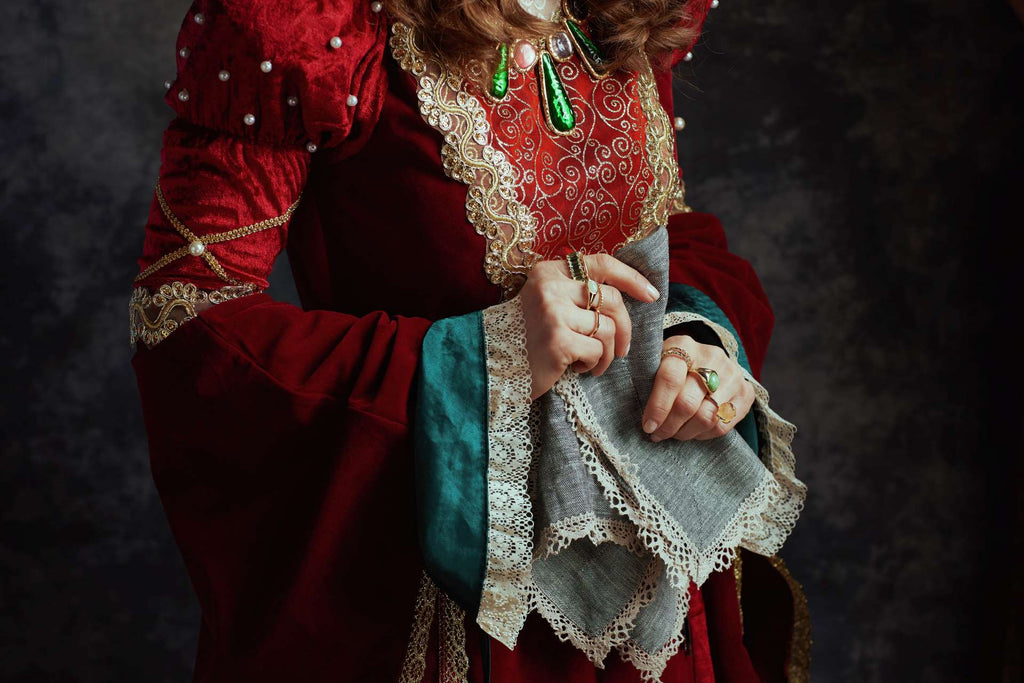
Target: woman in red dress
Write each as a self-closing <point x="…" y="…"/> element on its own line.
<point x="434" y="193"/>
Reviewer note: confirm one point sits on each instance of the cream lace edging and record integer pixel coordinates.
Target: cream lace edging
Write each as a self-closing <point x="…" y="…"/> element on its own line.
<point x="761" y="524"/>
<point x="508" y="594"/>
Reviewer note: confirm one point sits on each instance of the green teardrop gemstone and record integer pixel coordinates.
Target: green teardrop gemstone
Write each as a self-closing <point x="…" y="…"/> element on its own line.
<point x="499" y="81"/>
<point x="591" y="52"/>
<point x="559" y="108"/>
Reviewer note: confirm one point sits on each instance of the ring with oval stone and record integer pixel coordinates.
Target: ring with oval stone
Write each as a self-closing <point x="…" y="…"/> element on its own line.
<point x="709" y="378"/>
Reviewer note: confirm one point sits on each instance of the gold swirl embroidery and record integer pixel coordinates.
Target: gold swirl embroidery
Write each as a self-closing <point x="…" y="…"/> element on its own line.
<point x="666" y="191"/>
<point x="492" y="206"/>
<point x="175" y="304"/>
<point x="614" y="175"/>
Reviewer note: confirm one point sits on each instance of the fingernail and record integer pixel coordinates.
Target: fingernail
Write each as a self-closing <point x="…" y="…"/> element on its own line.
<point x="627" y="349"/>
<point x="653" y="292"/>
<point x="650" y="426"/>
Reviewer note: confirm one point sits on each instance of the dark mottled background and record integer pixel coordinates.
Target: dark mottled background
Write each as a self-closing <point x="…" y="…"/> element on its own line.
<point x="865" y="156"/>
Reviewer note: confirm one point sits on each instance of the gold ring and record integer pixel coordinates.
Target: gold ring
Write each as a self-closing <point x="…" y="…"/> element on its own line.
<point x="726" y="412"/>
<point x="676" y="352"/>
<point x="709" y="378"/>
<point x="595" y="296"/>
<point x="597" y="323"/>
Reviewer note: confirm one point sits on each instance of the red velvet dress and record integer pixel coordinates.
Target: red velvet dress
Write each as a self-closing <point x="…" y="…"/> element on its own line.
<point x="280" y="436"/>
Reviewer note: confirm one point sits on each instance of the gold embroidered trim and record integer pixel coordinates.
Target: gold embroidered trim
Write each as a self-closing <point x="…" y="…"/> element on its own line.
<point x="452" y="642"/>
<point x="799" y="669"/>
<point x="176" y="304"/>
<point x="415" y="664"/>
<point x="666" y="188"/>
<point x="453" y="662"/>
<point x="492" y="206"/>
<point x="191" y="238"/>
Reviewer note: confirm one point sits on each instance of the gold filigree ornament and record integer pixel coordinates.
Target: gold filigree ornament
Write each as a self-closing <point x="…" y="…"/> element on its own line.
<point x="174" y="304"/>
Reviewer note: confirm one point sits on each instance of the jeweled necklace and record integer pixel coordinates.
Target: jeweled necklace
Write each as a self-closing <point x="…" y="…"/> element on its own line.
<point x="543" y="54"/>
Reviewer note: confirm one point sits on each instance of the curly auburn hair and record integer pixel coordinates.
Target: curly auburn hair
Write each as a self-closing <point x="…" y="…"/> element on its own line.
<point x="462" y="32"/>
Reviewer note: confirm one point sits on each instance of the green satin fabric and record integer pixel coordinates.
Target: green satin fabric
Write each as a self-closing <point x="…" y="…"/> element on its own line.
<point x="687" y="299"/>
<point x="451" y="457"/>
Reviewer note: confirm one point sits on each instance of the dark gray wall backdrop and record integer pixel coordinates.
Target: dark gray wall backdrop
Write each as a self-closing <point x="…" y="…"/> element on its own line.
<point x="864" y="156"/>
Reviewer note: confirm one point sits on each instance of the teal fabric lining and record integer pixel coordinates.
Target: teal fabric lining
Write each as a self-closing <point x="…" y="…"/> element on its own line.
<point x="450" y="452"/>
<point x="684" y="298"/>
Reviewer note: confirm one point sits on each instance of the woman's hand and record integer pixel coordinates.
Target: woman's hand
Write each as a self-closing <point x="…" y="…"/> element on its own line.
<point x="679" y="407"/>
<point x="558" y="324"/>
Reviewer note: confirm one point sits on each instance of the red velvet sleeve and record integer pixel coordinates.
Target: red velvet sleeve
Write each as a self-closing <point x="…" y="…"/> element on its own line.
<point x="278" y="437"/>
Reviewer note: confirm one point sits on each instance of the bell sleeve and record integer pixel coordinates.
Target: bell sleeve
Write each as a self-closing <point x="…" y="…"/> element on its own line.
<point x="279" y="438"/>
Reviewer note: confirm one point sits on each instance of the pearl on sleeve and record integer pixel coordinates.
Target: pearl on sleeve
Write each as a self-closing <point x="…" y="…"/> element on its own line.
<point x="351" y="100"/>
<point x="249" y="119"/>
<point x="224" y="75"/>
<point x="336" y="42"/>
<point x="266" y="66"/>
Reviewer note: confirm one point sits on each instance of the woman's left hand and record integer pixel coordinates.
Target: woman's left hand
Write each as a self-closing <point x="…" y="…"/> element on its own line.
<point x="681" y="408"/>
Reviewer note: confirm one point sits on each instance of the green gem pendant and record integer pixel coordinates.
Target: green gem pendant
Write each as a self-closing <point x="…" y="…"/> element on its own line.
<point x="499" y="81"/>
<point x="593" y="59"/>
<point x="557" y="107"/>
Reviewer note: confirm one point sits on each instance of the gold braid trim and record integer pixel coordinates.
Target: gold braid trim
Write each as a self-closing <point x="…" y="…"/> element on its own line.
<point x="175" y="305"/>
<point x="205" y="240"/>
<point x="799" y="669"/>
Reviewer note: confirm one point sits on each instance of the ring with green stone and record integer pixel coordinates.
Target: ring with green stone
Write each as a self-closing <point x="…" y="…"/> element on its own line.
<point x="709" y="378"/>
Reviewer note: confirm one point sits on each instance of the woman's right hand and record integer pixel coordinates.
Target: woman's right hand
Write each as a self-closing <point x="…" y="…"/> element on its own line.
<point x="558" y="323"/>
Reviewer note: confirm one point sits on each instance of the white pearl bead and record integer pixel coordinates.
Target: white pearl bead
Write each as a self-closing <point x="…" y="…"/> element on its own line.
<point x="376" y="6"/>
<point x="266" y="66"/>
<point x="293" y="101"/>
<point x="688" y="57"/>
<point x="249" y="119"/>
<point x="714" y="4"/>
<point x="184" y="52"/>
<point x="224" y="75"/>
<point x="336" y="42"/>
<point x="183" y="95"/>
<point x="196" y="248"/>
<point x="351" y="100"/>
<point x="167" y="85"/>
<point x="199" y="18"/>
<point x="311" y="147"/>
<point x="679" y="123"/>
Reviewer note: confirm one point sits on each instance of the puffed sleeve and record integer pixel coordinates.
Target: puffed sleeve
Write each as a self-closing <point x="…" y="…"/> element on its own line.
<point x="282" y="73"/>
<point x="279" y="438"/>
